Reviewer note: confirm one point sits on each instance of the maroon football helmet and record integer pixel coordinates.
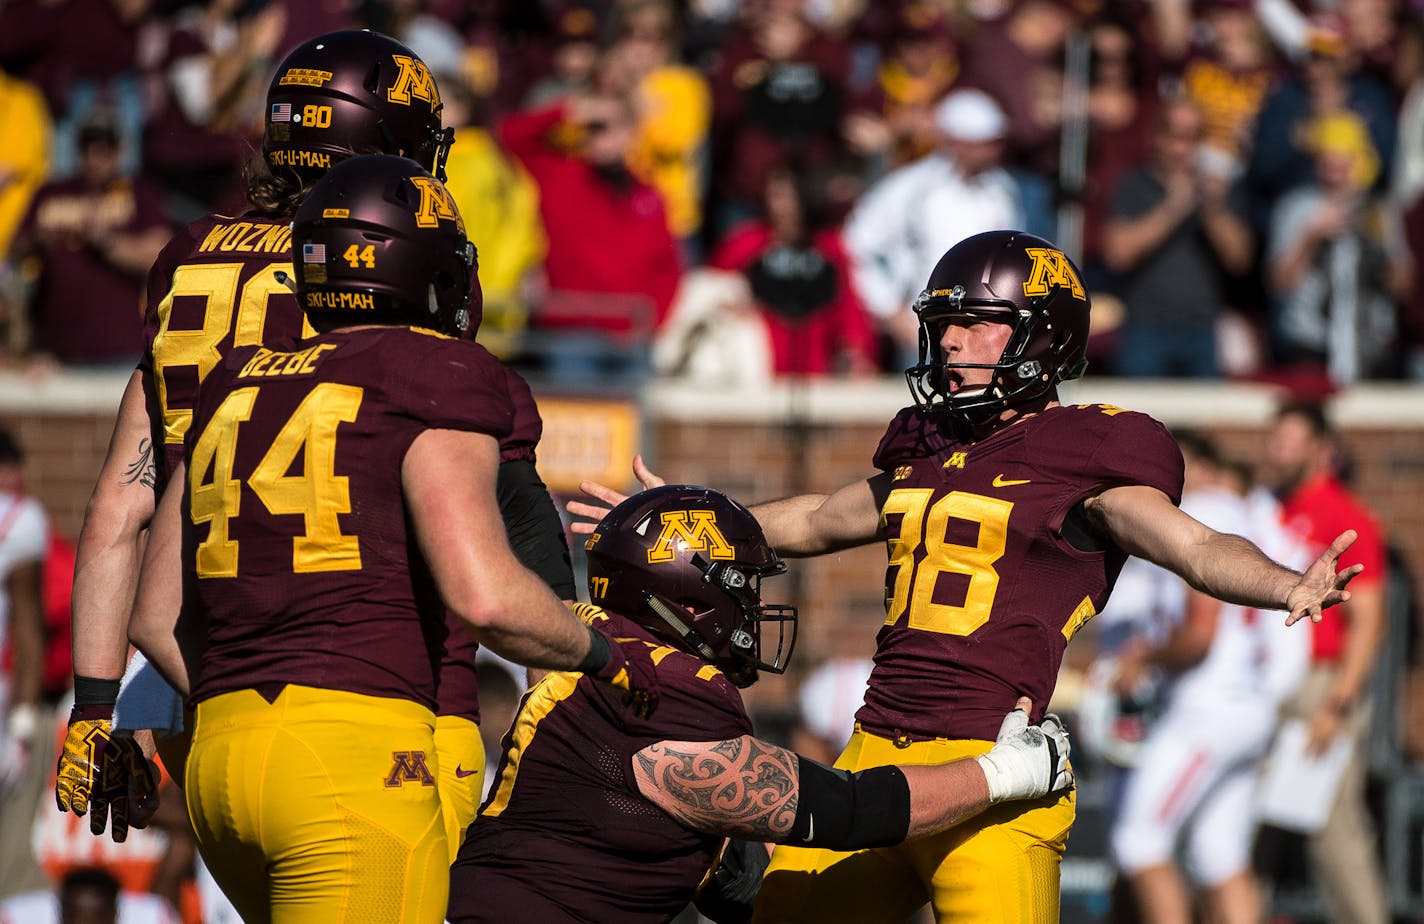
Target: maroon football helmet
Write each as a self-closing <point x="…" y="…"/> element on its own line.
<point x="686" y="562"/>
<point x="353" y="92"/>
<point x="1013" y="278"/>
<point x="378" y="240"/>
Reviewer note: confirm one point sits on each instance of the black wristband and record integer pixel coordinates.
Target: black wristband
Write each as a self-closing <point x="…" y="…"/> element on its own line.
<point x="91" y="691"/>
<point x="839" y="810"/>
<point x="598" y="653"/>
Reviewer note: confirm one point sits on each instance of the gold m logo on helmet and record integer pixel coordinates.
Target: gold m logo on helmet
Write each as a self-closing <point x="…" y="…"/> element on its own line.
<point x="694" y="530"/>
<point x="413" y="80"/>
<point x="435" y="204"/>
<point x="1050" y="268"/>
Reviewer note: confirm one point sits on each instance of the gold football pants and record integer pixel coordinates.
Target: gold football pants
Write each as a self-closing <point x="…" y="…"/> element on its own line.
<point x="1000" y="866"/>
<point x="462" y="775"/>
<point x="320" y="806"/>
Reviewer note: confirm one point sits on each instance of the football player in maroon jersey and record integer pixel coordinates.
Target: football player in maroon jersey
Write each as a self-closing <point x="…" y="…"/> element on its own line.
<point x="338" y="494"/>
<point x="602" y="815"/>
<point x="218" y="285"/>
<point x="1007" y="517"/>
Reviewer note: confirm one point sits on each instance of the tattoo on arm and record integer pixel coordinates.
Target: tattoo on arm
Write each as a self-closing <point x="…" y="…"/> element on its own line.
<point x="143" y="469"/>
<point x="741" y="787"/>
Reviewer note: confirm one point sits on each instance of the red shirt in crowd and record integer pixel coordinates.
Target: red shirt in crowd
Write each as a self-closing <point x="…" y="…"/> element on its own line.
<point x="812" y="343"/>
<point x="605" y="237"/>
<point x="1320" y="510"/>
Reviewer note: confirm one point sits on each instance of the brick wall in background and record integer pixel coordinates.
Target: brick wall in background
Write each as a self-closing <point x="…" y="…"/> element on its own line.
<point x="742" y="443"/>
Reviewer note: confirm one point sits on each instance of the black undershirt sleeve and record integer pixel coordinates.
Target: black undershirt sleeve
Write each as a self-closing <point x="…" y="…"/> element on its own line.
<point x="535" y="531"/>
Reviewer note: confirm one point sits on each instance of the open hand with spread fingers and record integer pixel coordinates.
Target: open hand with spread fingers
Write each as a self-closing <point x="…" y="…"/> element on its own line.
<point x="608" y="497"/>
<point x="1322" y="585"/>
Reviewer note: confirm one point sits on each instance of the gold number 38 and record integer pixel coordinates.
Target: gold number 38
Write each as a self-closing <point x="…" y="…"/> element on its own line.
<point x="925" y="526"/>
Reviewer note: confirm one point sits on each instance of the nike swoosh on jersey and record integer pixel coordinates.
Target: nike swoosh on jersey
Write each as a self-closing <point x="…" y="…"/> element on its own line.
<point x="1001" y="482"/>
<point x="461" y="772"/>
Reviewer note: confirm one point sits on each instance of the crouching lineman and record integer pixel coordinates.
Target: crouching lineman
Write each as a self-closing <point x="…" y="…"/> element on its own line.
<point x="601" y="814"/>
<point x="313" y="620"/>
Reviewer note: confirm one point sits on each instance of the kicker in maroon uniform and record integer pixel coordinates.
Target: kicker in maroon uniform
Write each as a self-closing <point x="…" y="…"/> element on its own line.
<point x="974" y="542"/>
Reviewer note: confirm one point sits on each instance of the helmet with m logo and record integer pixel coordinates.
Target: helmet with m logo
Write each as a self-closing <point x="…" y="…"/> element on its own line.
<point x="686" y="562"/>
<point x="1013" y="278"/>
<point x="379" y="241"/>
<point x="353" y="92"/>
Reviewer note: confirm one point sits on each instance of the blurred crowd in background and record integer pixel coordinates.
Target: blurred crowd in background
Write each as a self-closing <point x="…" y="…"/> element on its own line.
<point x="729" y="192"/>
<point x="732" y="191"/>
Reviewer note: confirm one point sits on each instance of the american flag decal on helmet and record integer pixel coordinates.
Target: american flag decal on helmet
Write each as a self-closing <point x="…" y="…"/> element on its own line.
<point x="281" y="112"/>
<point x="313" y="253"/>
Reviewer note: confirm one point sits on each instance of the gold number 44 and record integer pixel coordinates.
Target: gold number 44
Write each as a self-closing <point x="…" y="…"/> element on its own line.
<point x="318" y="494"/>
<point x="357" y="256"/>
<point x="925" y="526"/>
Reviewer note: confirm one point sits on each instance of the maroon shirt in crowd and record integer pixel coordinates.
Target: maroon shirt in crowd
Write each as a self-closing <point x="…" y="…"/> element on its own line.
<point x="565" y="835"/>
<point x="86" y="309"/>
<point x="330" y="590"/>
<point x="982" y="592"/>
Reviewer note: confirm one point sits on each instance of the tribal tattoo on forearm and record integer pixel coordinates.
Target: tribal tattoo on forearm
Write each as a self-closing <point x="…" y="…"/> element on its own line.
<point x="742" y="787"/>
<point x="143" y="469"/>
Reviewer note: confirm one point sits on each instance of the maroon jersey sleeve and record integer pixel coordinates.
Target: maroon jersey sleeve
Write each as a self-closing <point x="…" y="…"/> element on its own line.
<point x="565" y="817"/>
<point x="1135" y="449"/>
<point x="528" y="426"/>
<point x="296" y="527"/>
<point x="911" y="434"/>
<point x="214" y="287"/>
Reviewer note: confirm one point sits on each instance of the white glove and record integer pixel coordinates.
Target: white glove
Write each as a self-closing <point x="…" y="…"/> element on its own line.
<point x="1027" y="761"/>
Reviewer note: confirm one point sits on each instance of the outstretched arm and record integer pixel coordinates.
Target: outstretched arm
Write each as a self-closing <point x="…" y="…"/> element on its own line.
<point x="1144" y="522"/>
<point x="744" y="787"/>
<point x="798" y="526"/>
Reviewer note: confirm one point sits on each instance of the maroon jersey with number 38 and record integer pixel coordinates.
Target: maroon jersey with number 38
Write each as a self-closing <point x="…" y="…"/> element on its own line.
<point x="295" y="517"/>
<point x="982" y="593"/>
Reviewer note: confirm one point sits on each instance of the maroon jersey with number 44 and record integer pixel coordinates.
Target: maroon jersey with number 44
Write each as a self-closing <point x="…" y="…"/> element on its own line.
<point x="982" y="592"/>
<point x="295" y="524"/>
<point x="565" y="835"/>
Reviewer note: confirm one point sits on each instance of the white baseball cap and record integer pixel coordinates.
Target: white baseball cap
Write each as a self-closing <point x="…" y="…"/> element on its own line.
<point x="971" y="115"/>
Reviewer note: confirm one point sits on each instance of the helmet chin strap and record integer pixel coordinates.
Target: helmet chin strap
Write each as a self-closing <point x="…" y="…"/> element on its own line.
<point x="684" y="631"/>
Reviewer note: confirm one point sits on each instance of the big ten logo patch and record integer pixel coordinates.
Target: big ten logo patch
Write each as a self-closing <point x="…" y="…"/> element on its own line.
<point x="690" y="530"/>
<point x="409" y="767"/>
<point x="435" y="204"/>
<point x="413" y="79"/>
<point x="1051" y="269"/>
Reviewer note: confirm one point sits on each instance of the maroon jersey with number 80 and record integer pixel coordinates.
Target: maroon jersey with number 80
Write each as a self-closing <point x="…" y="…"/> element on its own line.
<point x="982" y="593"/>
<point x="214" y="287"/>
<point x="295" y="523"/>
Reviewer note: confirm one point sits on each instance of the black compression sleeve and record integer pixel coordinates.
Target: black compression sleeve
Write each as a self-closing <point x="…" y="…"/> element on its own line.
<point x="840" y="810"/>
<point x="535" y="531"/>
